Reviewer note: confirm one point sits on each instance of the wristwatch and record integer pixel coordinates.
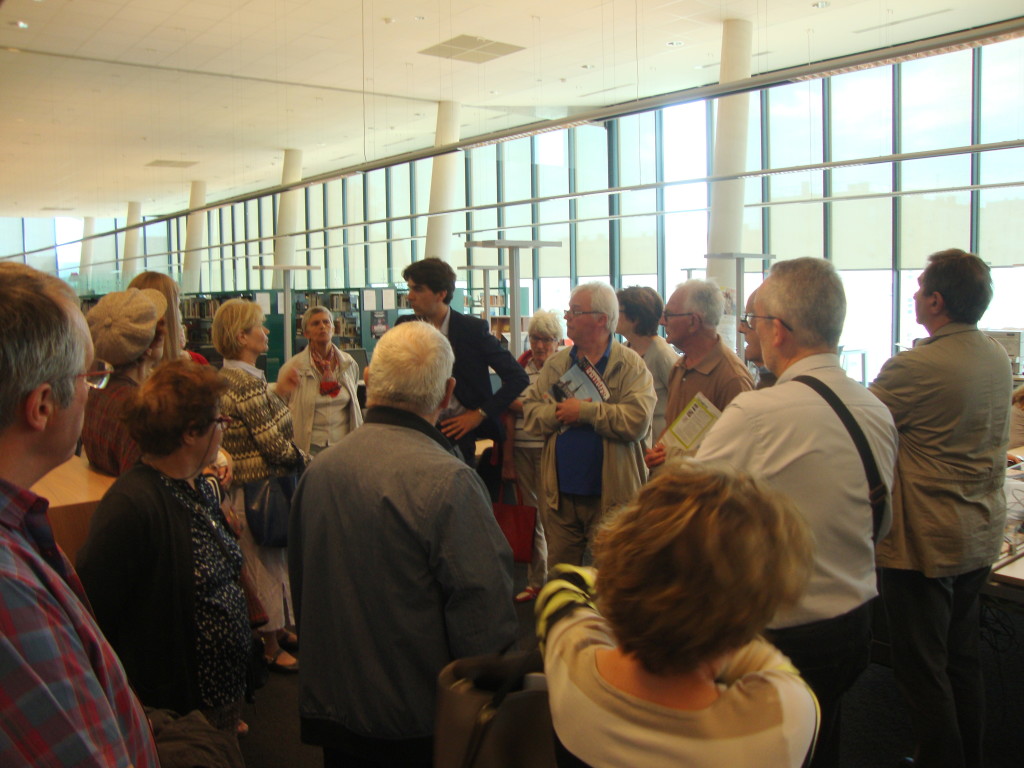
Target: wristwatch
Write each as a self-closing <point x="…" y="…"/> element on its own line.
<point x="482" y="413"/>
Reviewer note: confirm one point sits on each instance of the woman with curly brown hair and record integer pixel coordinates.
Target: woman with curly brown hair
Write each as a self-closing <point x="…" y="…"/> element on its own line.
<point x="160" y="565"/>
<point x="659" y="662"/>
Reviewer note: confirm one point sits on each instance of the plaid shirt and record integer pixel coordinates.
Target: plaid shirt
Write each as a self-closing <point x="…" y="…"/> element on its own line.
<point x="108" y="444"/>
<point x="64" y="697"/>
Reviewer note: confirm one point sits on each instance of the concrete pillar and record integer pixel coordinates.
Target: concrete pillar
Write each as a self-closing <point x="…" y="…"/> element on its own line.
<point x="442" y="182"/>
<point x="85" y="259"/>
<point x="288" y="215"/>
<point x="730" y="153"/>
<point x="130" y="262"/>
<point x="195" y="234"/>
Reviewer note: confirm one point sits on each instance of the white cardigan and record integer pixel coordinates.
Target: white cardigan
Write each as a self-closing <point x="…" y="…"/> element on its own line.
<point x="303" y="400"/>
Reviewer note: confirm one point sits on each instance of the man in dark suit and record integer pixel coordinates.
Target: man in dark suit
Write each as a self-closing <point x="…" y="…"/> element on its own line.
<point x="475" y="411"/>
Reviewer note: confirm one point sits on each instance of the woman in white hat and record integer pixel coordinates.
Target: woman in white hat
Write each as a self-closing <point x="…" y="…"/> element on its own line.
<point x="127" y="330"/>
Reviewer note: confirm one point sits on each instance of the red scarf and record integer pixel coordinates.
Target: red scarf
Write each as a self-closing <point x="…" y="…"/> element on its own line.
<point x="325" y="367"/>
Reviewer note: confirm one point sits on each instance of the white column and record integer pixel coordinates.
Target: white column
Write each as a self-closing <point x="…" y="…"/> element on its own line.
<point x="195" y="234"/>
<point x="725" y="226"/>
<point x="85" y="259"/>
<point x="442" y="182"/>
<point x="130" y="260"/>
<point x="288" y="214"/>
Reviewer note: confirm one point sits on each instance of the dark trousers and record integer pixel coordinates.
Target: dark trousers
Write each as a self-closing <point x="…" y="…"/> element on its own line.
<point x="830" y="655"/>
<point x="934" y="627"/>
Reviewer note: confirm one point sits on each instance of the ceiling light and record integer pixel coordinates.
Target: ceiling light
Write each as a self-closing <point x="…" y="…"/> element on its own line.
<point x="419" y="18"/>
<point x="821" y="4"/>
<point x="19" y="24"/>
<point x="587" y="66"/>
<point x="674" y="43"/>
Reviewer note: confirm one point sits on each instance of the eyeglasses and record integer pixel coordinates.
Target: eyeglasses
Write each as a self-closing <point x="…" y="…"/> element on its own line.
<point x="223" y="422"/>
<point x="746" y="317"/>
<point x="98" y="374"/>
<point x="542" y="339"/>
<point x="577" y="312"/>
<point x="670" y="315"/>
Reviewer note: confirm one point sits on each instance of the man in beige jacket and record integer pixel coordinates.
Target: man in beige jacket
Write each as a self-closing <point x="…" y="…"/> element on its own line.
<point x="593" y="455"/>
<point x="949" y="397"/>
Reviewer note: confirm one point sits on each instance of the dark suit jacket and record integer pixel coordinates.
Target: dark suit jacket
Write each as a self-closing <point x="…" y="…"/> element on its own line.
<point x="476" y="350"/>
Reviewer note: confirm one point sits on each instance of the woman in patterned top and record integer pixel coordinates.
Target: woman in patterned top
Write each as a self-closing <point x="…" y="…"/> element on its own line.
<point x="161" y="566"/>
<point x="259" y="440"/>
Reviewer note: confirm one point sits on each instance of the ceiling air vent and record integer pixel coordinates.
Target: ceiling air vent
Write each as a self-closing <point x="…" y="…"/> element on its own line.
<point x="476" y="50"/>
<point x="171" y="163"/>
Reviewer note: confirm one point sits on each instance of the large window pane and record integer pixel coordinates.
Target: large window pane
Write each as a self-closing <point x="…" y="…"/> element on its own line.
<point x="796" y="230"/>
<point x="868" y="326"/>
<point x="935" y="97"/>
<point x="1002" y="105"/>
<point x="862" y="234"/>
<point x="855" y="96"/>
<point x="932" y="223"/>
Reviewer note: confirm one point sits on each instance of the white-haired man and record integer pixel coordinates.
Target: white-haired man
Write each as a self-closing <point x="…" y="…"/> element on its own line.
<point x="397" y="565"/>
<point x="593" y="455"/>
<point x="66" y="699"/>
<point x="790" y="436"/>
<point x="707" y="366"/>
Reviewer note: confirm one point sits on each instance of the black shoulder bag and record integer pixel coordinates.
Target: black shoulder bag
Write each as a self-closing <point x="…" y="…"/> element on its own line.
<point x="876" y="488"/>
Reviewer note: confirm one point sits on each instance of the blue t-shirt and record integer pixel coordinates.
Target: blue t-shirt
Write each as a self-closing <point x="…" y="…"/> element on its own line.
<point x="579" y="451"/>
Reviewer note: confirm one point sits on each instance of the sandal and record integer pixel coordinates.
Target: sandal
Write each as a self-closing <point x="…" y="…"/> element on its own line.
<point x="275" y="666"/>
<point x="528" y="594"/>
<point x="288" y="640"/>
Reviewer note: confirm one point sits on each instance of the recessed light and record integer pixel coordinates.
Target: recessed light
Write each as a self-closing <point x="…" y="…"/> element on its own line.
<point x="419" y="18"/>
<point x="587" y="66"/>
<point x="19" y="24"/>
<point x="674" y="43"/>
<point x="821" y="4"/>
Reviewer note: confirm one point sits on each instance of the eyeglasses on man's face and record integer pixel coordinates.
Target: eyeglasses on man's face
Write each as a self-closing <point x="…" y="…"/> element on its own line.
<point x="98" y="374"/>
<point x="577" y="312"/>
<point x="746" y="317"/>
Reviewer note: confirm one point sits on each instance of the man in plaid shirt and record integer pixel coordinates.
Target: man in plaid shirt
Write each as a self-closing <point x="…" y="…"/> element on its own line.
<point x="64" y="697"/>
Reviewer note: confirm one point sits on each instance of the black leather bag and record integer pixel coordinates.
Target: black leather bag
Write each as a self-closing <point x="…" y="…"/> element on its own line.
<point x="268" y="503"/>
<point x="486" y="718"/>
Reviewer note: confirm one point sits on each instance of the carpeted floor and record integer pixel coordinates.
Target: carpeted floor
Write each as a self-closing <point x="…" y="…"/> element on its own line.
<point x="876" y="732"/>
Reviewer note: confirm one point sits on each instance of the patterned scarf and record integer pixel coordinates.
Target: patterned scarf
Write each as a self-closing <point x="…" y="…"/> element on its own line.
<point x="326" y="366"/>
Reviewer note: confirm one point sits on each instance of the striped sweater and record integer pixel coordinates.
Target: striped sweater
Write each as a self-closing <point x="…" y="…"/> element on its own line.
<point x="259" y="438"/>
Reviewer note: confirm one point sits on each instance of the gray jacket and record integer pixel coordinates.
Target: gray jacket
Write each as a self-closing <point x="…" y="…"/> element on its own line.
<point x="397" y="567"/>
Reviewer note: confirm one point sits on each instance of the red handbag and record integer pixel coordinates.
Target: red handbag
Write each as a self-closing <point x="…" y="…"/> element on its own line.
<point x="516" y="522"/>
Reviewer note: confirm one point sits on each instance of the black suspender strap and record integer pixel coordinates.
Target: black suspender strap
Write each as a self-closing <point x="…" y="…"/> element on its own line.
<point x="876" y="488"/>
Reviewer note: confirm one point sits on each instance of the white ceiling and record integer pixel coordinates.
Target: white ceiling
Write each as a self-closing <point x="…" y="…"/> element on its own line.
<point x="95" y="90"/>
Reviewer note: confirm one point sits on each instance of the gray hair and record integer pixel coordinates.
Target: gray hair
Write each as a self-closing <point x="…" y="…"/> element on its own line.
<point x="808" y="295"/>
<point x="546" y="323"/>
<point x="602" y="299"/>
<point x="318" y="309"/>
<point x="40" y="342"/>
<point x="410" y="368"/>
<point x="705" y="298"/>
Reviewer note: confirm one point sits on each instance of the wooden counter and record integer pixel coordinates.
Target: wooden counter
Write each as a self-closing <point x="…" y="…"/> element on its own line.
<point x="73" y="490"/>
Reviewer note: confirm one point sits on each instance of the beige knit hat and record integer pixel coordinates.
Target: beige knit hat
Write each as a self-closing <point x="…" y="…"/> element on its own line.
<point x="123" y="324"/>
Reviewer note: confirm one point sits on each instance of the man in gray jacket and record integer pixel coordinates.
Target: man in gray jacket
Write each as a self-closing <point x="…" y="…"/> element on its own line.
<point x="949" y="397"/>
<point x="397" y="565"/>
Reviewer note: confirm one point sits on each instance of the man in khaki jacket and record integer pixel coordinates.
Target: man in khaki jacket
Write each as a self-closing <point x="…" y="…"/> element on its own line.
<point x="593" y="455"/>
<point x="949" y="397"/>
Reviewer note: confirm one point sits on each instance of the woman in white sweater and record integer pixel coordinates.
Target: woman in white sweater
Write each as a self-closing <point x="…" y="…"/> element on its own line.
<point x="660" y="663"/>
<point x="323" y="401"/>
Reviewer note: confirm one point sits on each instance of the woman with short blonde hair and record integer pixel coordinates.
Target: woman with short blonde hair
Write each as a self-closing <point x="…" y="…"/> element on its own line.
<point x="259" y="439"/>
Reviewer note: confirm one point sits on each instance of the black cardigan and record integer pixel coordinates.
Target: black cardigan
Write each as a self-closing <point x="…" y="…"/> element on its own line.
<point x="136" y="566"/>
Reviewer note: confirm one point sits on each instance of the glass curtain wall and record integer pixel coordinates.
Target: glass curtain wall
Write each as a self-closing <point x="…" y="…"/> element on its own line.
<point x="855" y="168"/>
